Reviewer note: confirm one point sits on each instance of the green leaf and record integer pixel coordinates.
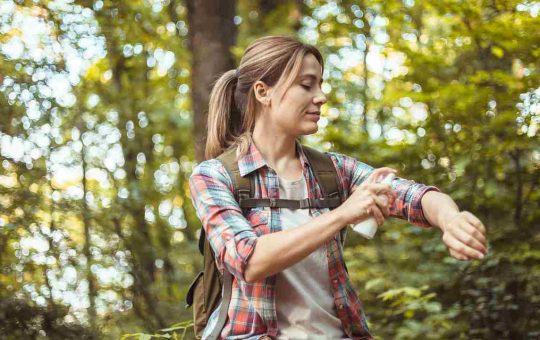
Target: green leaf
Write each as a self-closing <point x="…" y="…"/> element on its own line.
<point x="497" y="51"/>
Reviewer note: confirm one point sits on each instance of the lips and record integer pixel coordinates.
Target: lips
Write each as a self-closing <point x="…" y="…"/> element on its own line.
<point x="314" y="115"/>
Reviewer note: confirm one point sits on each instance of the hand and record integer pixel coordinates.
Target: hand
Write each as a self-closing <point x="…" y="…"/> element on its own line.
<point x="365" y="200"/>
<point x="464" y="235"/>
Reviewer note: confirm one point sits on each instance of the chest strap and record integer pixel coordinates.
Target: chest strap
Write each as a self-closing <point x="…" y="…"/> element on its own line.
<point x="314" y="203"/>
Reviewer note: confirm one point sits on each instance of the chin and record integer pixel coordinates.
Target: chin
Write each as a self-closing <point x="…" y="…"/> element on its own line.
<point x="309" y="131"/>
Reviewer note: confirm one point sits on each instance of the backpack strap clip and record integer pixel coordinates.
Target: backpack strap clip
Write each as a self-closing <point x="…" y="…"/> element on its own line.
<point x="243" y="193"/>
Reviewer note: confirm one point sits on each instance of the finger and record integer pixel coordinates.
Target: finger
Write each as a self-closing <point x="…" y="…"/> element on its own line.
<point x="377" y="214"/>
<point x="377" y="174"/>
<point x="380" y="188"/>
<point x="383" y="172"/>
<point x="461" y="233"/>
<point x="470" y="252"/>
<point x="382" y="204"/>
<point x="470" y="229"/>
<point x="459" y="247"/>
<point x="458" y="256"/>
<point x="475" y="222"/>
<point x="467" y="252"/>
<point x="391" y="199"/>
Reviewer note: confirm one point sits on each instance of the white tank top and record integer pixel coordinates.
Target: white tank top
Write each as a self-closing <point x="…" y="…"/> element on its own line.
<point x="304" y="299"/>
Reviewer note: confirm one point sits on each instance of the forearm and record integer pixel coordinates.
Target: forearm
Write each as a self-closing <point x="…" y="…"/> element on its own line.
<point x="277" y="251"/>
<point x="437" y="206"/>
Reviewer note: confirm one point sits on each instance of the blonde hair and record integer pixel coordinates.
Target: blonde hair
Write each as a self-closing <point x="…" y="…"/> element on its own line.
<point x="275" y="60"/>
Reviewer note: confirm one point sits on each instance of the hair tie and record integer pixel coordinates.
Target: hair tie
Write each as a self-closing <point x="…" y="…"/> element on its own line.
<point x="236" y="73"/>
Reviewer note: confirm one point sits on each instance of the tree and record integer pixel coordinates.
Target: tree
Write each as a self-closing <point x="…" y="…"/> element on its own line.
<point x="212" y="33"/>
<point x="102" y="105"/>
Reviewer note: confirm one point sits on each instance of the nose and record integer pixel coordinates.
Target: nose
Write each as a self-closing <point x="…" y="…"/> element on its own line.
<point x="320" y="98"/>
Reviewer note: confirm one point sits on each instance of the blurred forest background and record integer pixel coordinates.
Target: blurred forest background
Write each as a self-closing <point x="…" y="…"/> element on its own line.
<point x="102" y="119"/>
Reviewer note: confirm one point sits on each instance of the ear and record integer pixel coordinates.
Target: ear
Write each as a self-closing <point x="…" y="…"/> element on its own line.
<point x="262" y="92"/>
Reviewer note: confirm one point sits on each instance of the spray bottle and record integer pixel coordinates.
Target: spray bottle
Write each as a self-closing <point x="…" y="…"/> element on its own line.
<point x="368" y="228"/>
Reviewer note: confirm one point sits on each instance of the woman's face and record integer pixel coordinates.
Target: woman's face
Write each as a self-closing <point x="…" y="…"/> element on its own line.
<point x="299" y="109"/>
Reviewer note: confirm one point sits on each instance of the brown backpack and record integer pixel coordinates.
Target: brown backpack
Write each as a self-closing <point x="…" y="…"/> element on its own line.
<point x="205" y="292"/>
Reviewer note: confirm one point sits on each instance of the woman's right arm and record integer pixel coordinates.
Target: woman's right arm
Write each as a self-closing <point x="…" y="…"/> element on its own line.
<point x="278" y="251"/>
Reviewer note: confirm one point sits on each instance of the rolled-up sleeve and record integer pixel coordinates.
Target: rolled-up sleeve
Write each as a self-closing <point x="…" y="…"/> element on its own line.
<point x="408" y="203"/>
<point x="229" y="233"/>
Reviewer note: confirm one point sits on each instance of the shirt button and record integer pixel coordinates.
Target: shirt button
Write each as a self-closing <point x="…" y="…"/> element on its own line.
<point x="335" y="281"/>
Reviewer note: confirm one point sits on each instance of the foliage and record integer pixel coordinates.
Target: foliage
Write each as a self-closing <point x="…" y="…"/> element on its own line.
<point x="97" y="232"/>
<point x="21" y="319"/>
<point x="168" y="333"/>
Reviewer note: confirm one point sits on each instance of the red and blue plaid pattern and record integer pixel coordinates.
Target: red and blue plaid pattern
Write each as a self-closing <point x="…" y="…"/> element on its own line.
<point x="233" y="237"/>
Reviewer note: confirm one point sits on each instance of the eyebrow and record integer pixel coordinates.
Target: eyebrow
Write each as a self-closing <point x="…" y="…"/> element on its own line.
<point x="312" y="76"/>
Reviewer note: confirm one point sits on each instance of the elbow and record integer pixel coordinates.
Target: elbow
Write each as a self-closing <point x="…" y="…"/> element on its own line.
<point x="258" y="269"/>
<point x="251" y="274"/>
<point x="236" y="257"/>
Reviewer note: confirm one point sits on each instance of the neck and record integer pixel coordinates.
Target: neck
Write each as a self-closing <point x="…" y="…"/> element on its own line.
<point x="277" y="149"/>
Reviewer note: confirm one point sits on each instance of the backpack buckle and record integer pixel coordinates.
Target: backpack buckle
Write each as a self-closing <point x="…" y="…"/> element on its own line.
<point x="243" y="195"/>
<point x="304" y="204"/>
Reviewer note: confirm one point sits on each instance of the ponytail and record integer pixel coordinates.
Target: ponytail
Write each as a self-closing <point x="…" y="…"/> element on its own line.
<point x="224" y="118"/>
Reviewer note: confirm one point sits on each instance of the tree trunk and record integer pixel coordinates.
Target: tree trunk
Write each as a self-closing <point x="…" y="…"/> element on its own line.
<point x="212" y="33"/>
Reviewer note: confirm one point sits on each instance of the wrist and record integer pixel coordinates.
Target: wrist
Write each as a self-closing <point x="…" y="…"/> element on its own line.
<point x="338" y="218"/>
<point x="445" y="217"/>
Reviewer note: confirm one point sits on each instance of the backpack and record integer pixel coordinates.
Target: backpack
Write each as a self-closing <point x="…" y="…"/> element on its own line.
<point x="205" y="291"/>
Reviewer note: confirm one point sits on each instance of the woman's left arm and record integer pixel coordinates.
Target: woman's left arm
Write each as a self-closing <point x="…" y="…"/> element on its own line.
<point x="463" y="233"/>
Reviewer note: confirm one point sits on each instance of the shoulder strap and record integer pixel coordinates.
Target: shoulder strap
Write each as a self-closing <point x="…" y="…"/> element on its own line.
<point x="325" y="172"/>
<point x="243" y="186"/>
<point x="328" y="179"/>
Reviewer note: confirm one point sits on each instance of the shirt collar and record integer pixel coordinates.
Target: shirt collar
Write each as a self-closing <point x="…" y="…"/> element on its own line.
<point x="303" y="157"/>
<point x="254" y="160"/>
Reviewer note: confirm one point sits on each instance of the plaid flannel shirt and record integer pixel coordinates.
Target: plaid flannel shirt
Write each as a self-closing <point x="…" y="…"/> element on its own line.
<point x="233" y="237"/>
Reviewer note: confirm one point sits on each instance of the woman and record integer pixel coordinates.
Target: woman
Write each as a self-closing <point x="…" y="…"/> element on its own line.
<point x="290" y="280"/>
